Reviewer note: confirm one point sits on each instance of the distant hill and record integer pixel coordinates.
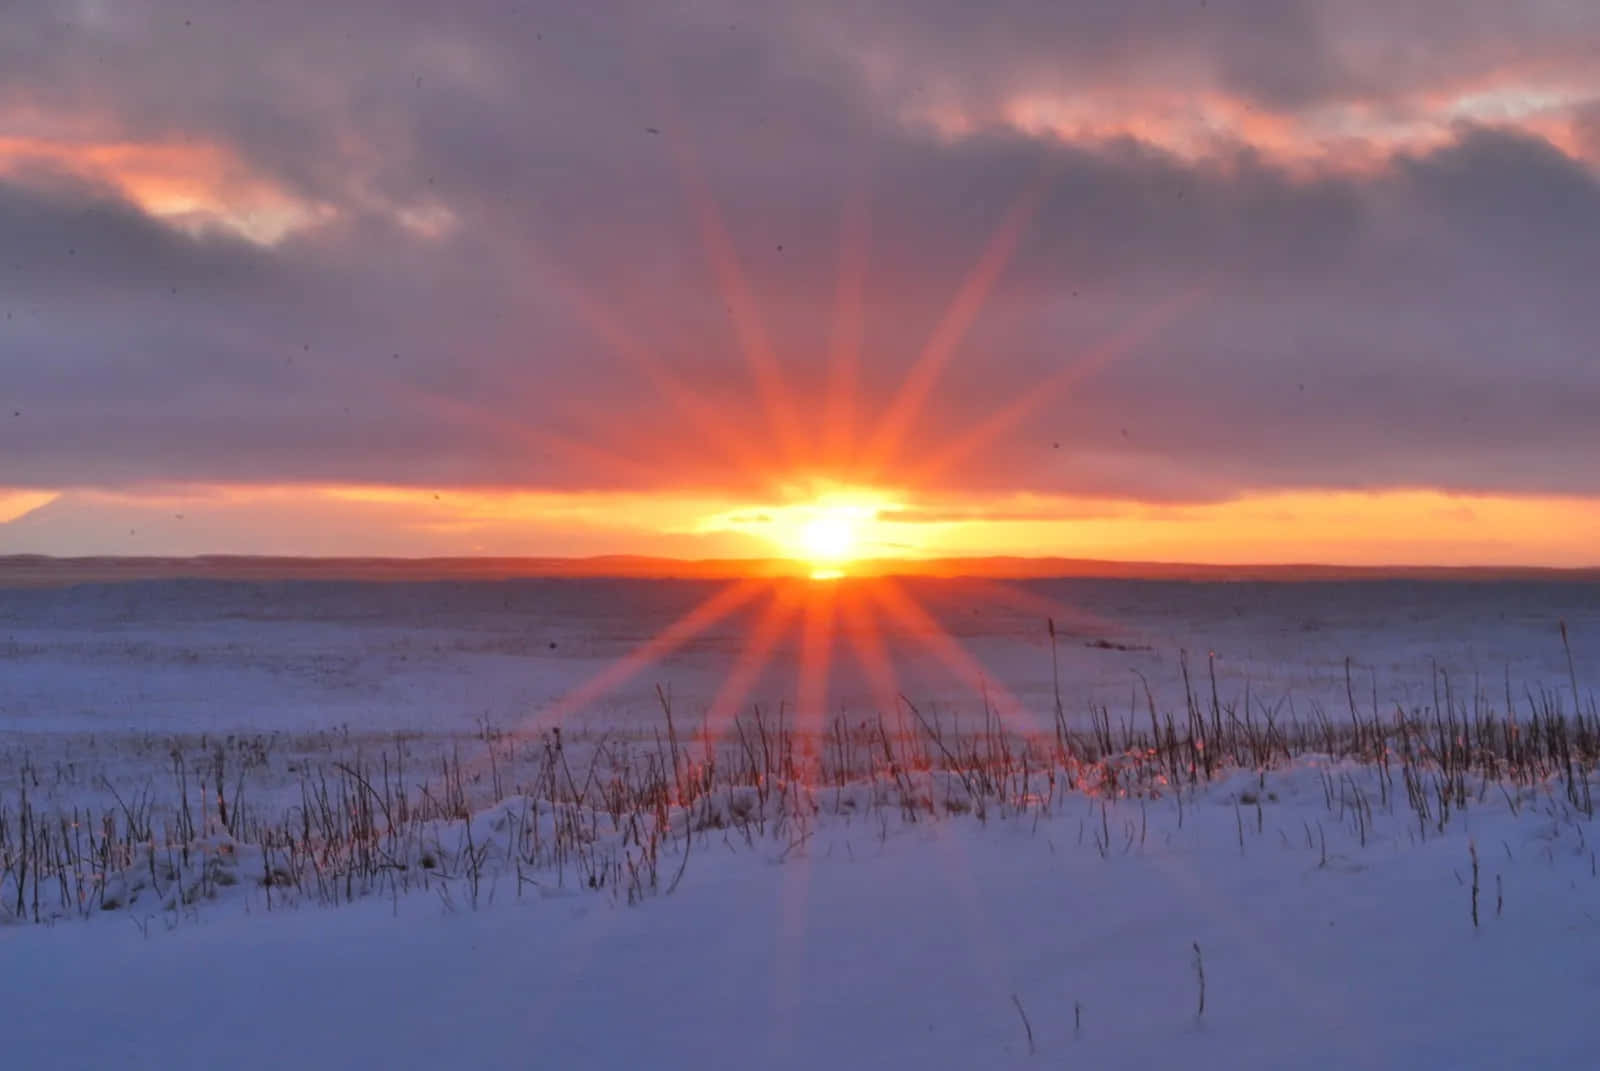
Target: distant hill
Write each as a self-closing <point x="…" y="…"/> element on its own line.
<point x="35" y="570"/>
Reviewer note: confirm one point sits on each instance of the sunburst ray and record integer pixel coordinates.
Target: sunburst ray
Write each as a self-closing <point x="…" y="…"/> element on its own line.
<point x="844" y="345"/>
<point x="865" y="637"/>
<point x="1037" y="395"/>
<point x="702" y="616"/>
<point x="526" y="439"/>
<point x="952" y="328"/>
<point x="735" y="447"/>
<point x="926" y="630"/>
<point x="754" y="655"/>
<point x="816" y="654"/>
<point x="733" y="287"/>
<point x="1071" y="620"/>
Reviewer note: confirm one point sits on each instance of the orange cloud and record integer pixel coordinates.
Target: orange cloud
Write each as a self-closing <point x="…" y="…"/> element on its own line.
<point x="1345" y="134"/>
<point x="190" y="184"/>
<point x="15" y="504"/>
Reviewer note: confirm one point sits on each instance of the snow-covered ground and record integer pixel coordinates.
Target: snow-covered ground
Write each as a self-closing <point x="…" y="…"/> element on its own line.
<point x="1330" y="917"/>
<point x="896" y="946"/>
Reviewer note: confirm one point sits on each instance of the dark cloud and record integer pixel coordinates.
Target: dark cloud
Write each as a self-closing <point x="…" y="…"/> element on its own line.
<point x="1276" y="54"/>
<point x="485" y="213"/>
<point x="61" y="233"/>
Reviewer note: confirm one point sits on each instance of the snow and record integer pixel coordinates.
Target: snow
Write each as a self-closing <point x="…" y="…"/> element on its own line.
<point x="904" y="949"/>
<point x="1332" y="932"/>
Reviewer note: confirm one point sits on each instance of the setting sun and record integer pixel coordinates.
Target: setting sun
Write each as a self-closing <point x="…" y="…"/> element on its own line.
<point x="825" y="531"/>
<point x="830" y="536"/>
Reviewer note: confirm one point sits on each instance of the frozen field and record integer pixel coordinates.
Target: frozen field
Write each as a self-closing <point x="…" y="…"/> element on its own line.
<point x="225" y="657"/>
<point x="319" y="824"/>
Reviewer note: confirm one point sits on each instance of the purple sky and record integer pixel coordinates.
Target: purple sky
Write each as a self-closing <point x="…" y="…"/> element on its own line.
<point x="1333" y="246"/>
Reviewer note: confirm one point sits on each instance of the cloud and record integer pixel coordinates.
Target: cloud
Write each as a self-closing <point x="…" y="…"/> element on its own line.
<point x="344" y="520"/>
<point x="1282" y="56"/>
<point x="509" y="238"/>
<point x="15" y="505"/>
<point x="196" y="187"/>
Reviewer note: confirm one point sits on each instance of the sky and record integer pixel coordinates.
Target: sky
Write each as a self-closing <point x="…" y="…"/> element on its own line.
<point x="1219" y="280"/>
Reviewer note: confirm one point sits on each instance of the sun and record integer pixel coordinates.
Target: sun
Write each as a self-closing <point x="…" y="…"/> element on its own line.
<point x="828" y="537"/>
<point x="825" y="531"/>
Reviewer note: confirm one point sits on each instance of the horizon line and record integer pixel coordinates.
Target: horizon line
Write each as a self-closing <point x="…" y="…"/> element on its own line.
<point x="48" y="570"/>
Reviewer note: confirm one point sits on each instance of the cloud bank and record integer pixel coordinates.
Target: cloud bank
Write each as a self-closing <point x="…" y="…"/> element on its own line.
<point x="1159" y="252"/>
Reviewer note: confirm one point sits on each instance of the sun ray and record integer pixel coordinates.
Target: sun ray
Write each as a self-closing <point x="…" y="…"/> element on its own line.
<point x="734" y="289"/>
<point x="816" y="655"/>
<point x="794" y="897"/>
<point x="947" y="335"/>
<point x="1037" y="395"/>
<point x="844" y="349"/>
<point x="865" y="636"/>
<point x="899" y="604"/>
<point x="754" y="655"/>
<point x="708" y="612"/>
<point x="526" y="438"/>
<point x="816" y="643"/>
<point x="735" y="447"/>
<point x="1067" y="618"/>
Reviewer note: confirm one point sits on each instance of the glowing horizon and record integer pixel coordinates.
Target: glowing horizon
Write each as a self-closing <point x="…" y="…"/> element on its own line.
<point x="1397" y="528"/>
